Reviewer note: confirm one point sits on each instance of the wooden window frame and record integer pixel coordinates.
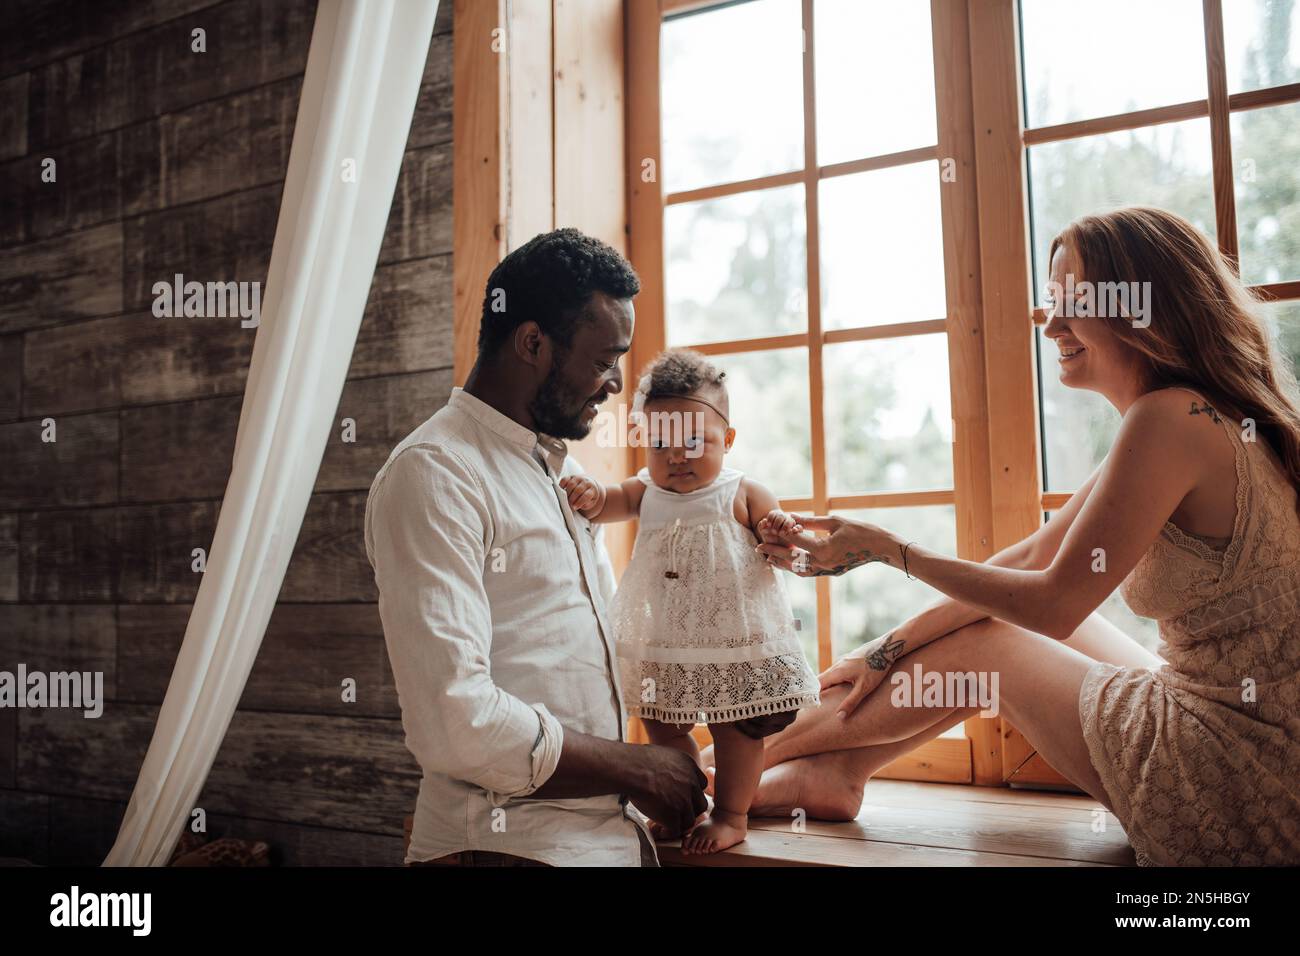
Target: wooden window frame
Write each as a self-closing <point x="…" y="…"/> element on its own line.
<point x="976" y="757"/>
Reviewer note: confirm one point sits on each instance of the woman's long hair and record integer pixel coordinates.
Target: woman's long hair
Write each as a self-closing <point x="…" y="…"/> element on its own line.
<point x="1205" y="331"/>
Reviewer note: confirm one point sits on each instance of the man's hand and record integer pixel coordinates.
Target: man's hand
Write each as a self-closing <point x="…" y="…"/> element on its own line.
<point x="585" y="495"/>
<point x="671" y="787"/>
<point x="760" y="727"/>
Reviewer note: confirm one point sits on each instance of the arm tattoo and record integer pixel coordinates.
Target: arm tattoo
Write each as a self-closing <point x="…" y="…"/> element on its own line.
<point x="883" y="657"/>
<point x="854" y="559"/>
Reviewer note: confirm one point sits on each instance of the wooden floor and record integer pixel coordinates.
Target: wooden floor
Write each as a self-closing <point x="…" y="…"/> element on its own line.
<point x="933" y="824"/>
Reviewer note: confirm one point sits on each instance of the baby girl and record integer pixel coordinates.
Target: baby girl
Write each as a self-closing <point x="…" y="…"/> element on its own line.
<point x="702" y="625"/>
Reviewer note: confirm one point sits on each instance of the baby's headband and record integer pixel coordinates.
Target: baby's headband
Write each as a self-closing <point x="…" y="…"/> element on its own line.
<point x="643" y="388"/>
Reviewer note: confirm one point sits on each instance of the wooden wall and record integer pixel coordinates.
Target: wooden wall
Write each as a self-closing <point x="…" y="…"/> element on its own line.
<point x="173" y="161"/>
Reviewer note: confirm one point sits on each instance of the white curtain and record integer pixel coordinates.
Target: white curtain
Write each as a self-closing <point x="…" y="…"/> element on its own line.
<point x="358" y="96"/>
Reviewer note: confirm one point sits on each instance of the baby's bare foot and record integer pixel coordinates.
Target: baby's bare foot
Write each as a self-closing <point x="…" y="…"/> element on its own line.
<point x="720" y="831"/>
<point x="661" y="831"/>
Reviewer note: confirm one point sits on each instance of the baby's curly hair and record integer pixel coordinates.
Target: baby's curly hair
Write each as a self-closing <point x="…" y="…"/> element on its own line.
<point x="681" y="373"/>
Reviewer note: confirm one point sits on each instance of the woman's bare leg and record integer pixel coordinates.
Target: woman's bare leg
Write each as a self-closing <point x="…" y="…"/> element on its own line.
<point x="1040" y="681"/>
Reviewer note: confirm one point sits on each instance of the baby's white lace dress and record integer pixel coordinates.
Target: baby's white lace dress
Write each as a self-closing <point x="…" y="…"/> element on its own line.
<point x="703" y="625"/>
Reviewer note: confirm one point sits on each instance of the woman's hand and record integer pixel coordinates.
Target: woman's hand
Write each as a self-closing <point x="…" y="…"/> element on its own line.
<point x="847" y="544"/>
<point x="864" y="669"/>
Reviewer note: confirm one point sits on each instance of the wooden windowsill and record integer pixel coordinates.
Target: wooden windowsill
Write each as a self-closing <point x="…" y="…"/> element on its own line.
<point x="904" y="823"/>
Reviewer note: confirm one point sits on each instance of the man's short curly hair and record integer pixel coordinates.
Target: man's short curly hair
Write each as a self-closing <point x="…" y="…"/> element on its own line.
<point x="549" y="280"/>
<point x="681" y="373"/>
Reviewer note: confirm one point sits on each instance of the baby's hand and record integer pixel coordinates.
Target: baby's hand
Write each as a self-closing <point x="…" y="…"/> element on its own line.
<point x="776" y="523"/>
<point x="585" y="495"/>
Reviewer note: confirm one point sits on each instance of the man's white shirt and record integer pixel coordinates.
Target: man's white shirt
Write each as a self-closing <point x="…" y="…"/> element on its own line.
<point x="492" y="595"/>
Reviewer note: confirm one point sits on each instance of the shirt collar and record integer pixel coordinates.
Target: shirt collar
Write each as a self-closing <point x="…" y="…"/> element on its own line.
<point x="505" y="426"/>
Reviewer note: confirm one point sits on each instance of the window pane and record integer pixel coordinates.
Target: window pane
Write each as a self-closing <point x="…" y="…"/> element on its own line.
<point x="888" y="415"/>
<point x="1266" y="154"/>
<point x="1078" y="425"/>
<point x="1167" y="166"/>
<point x="768" y="392"/>
<point x="1109" y="56"/>
<point x="868" y="601"/>
<point x="1283" y="320"/>
<point x="737" y="267"/>
<point x="875" y="79"/>
<point x="1256" y="47"/>
<point x="882" y="247"/>
<point x="732" y="94"/>
<point x="803" y="599"/>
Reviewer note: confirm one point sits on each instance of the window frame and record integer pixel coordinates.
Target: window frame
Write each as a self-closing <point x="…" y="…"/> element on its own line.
<point x="974" y="758"/>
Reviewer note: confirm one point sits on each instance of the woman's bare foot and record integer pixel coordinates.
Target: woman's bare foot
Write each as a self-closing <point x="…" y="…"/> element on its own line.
<point x="825" y="786"/>
<point x="720" y="831"/>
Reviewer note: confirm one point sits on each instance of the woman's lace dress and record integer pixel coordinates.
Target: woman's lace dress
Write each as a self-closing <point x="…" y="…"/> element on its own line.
<point x="703" y="626"/>
<point x="1201" y="758"/>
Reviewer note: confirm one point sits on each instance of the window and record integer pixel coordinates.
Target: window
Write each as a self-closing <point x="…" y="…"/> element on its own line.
<point x="802" y="221"/>
<point x="848" y="205"/>
<point x="1095" y="141"/>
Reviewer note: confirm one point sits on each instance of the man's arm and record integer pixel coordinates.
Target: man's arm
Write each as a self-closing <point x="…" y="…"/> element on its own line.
<point x="429" y="531"/>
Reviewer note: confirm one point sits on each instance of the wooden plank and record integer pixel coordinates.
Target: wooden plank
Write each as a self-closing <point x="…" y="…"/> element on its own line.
<point x="959" y="209"/>
<point x="8" y="557"/>
<point x="420" y="221"/>
<point x="1272" y="96"/>
<point x="78" y="468"/>
<point x="68" y="555"/>
<point x="53" y="31"/>
<point x="307" y="652"/>
<point x="225" y="145"/>
<point x="82" y="830"/>
<point x="8" y="755"/>
<point x="1099" y="125"/>
<point x="156" y="542"/>
<point x="13" y="115"/>
<point x="720" y="190"/>
<point x="87" y="189"/>
<point x="349" y="772"/>
<point x="11" y="376"/>
<point x="132" y="359"/>
<point x="184" y="450"/>
<point x="179" y="450"/>
<point x="25" y="826"/>
<point x="885" y="161"/>
<point x="939" y="760"/>
<point x="1047" y="833"/>
<point x="538" y="116"/>
<point x="384" y="411"/>
<point x="60" y="637"/>
<point x="431" y="124"/>
<point x="1225" y="204"/>
<point x="407" y="325"/>
<point x="222" y="240"/>
<point x="294" y="845"/>
<point x="73" y="276"/>
<point x="591" y="185"/>
<point x="249" y="43"/>
<point x="888" y="331"/>
<point x="479" y="196"/>
<point x="329" y="560"/>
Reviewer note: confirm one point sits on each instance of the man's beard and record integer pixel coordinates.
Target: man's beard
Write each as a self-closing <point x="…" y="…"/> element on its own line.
<point x="557" y="409"/>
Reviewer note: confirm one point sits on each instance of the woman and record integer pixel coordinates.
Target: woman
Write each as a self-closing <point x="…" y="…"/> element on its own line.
<point x="1193" y="515"/>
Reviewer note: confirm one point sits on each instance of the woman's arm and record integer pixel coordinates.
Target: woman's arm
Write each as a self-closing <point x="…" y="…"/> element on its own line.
<point x="1158" y="457"/>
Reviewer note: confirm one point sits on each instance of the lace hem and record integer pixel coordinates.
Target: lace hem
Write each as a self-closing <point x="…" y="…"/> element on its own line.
<point x="724" y="715"/>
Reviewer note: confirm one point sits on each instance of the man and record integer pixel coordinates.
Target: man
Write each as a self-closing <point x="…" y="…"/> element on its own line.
<point x="489" y="589"/>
